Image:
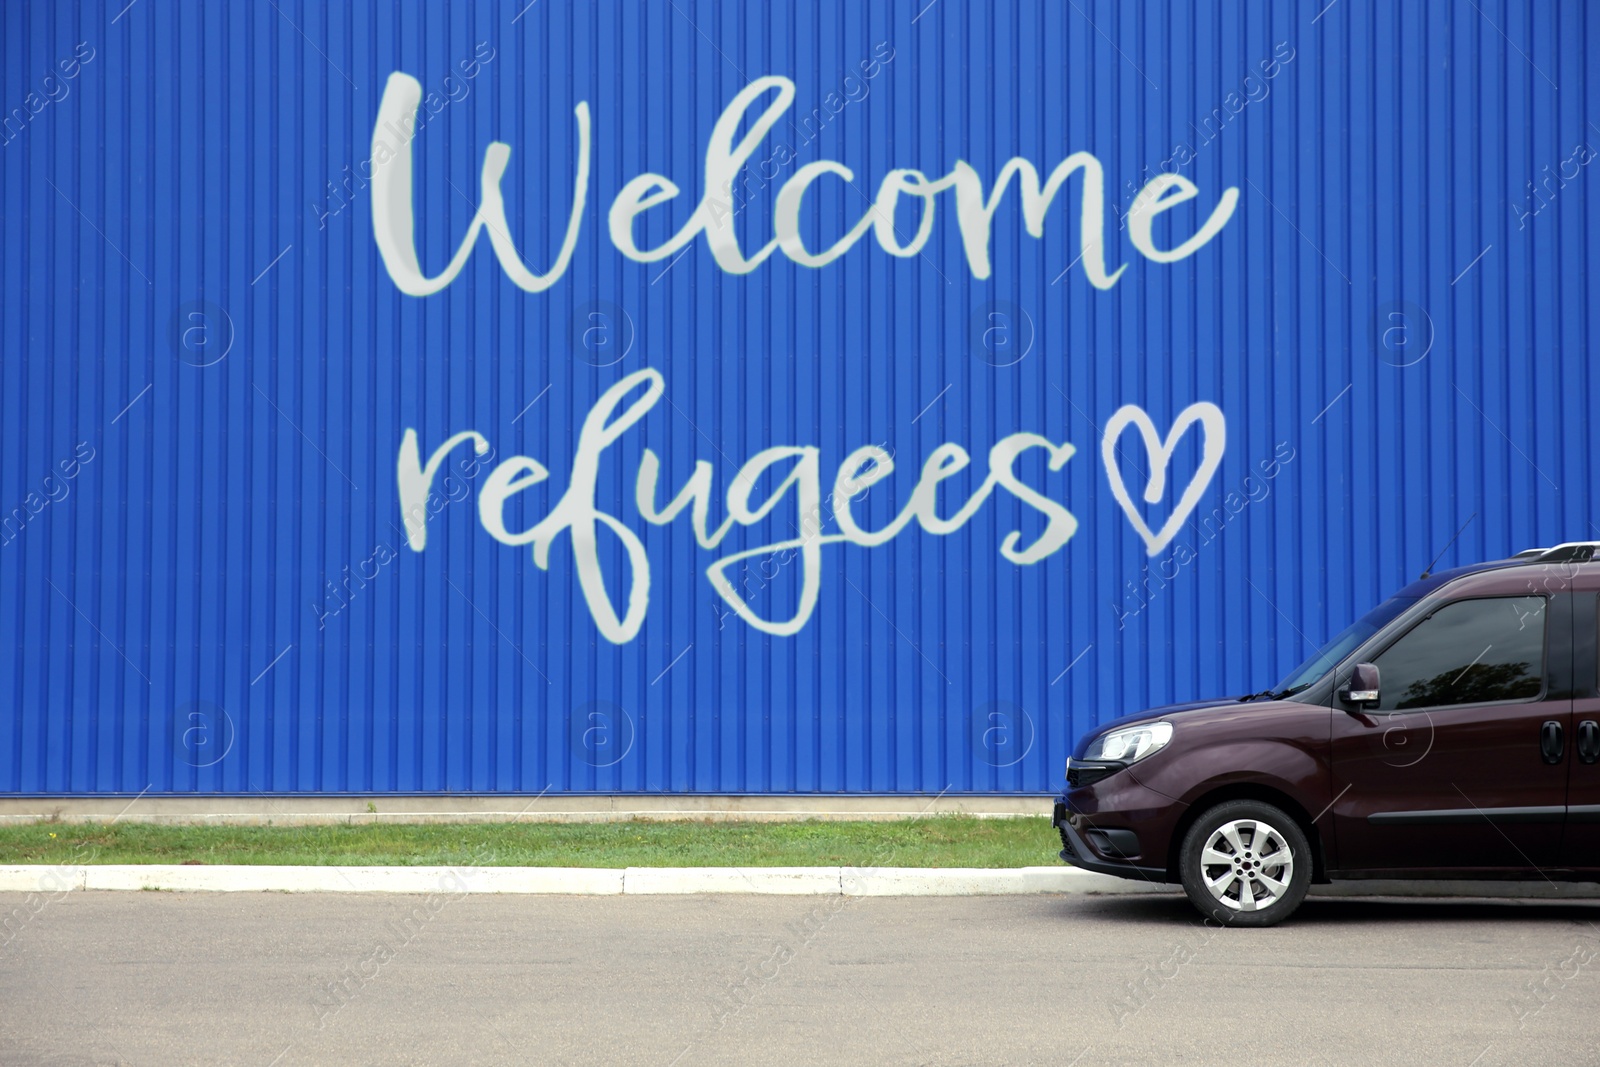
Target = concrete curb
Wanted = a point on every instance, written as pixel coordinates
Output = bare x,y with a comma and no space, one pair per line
807,881
574,880
655,881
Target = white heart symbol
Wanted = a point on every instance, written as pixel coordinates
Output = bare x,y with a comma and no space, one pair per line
1215,427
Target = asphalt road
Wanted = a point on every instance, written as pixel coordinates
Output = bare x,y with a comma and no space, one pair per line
278,980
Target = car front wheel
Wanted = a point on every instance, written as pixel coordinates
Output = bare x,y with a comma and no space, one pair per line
1245,863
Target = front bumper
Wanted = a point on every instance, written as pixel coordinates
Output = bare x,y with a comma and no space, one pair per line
1096,836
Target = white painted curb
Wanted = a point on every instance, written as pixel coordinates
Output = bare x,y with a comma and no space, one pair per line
253,878
810,881
42,879
651,881
265,879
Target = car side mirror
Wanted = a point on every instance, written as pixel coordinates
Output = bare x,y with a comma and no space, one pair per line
1363,685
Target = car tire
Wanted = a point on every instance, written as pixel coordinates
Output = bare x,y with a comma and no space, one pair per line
1245,863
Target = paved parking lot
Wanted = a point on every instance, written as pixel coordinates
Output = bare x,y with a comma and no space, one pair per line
277,980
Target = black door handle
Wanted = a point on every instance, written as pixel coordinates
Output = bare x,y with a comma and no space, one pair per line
1588,741
1551,745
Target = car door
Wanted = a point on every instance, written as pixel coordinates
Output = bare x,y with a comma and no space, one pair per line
1448,768
1581,841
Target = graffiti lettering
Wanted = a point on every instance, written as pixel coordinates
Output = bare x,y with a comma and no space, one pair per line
727,155
579,516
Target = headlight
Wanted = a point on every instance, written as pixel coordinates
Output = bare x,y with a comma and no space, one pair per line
1131,743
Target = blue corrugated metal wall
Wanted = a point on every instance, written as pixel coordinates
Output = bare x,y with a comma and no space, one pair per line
206,372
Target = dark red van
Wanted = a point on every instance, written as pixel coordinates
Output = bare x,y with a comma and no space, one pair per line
1453,732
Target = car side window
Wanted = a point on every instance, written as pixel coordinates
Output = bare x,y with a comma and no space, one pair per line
1468,652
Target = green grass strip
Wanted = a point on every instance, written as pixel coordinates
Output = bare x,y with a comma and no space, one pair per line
934,841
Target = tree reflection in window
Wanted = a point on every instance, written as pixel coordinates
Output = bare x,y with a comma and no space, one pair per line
1475,685
1469,652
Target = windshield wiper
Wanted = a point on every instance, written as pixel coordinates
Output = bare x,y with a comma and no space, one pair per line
1270,694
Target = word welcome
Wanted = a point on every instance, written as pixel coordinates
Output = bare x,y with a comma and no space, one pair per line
727,155
799,485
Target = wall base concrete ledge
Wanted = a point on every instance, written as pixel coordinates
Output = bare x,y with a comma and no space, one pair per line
263,810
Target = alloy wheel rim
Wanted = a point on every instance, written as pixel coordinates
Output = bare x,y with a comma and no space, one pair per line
1247,865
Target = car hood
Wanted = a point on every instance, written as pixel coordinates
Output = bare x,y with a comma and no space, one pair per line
1230,704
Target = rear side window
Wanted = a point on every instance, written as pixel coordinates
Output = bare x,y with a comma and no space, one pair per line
1469,652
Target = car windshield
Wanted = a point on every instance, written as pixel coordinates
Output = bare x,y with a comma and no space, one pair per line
1341,646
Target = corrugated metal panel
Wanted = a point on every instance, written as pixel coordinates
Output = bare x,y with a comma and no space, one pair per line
207,372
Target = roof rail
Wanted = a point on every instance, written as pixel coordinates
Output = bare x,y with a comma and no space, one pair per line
1570,552
1529,553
